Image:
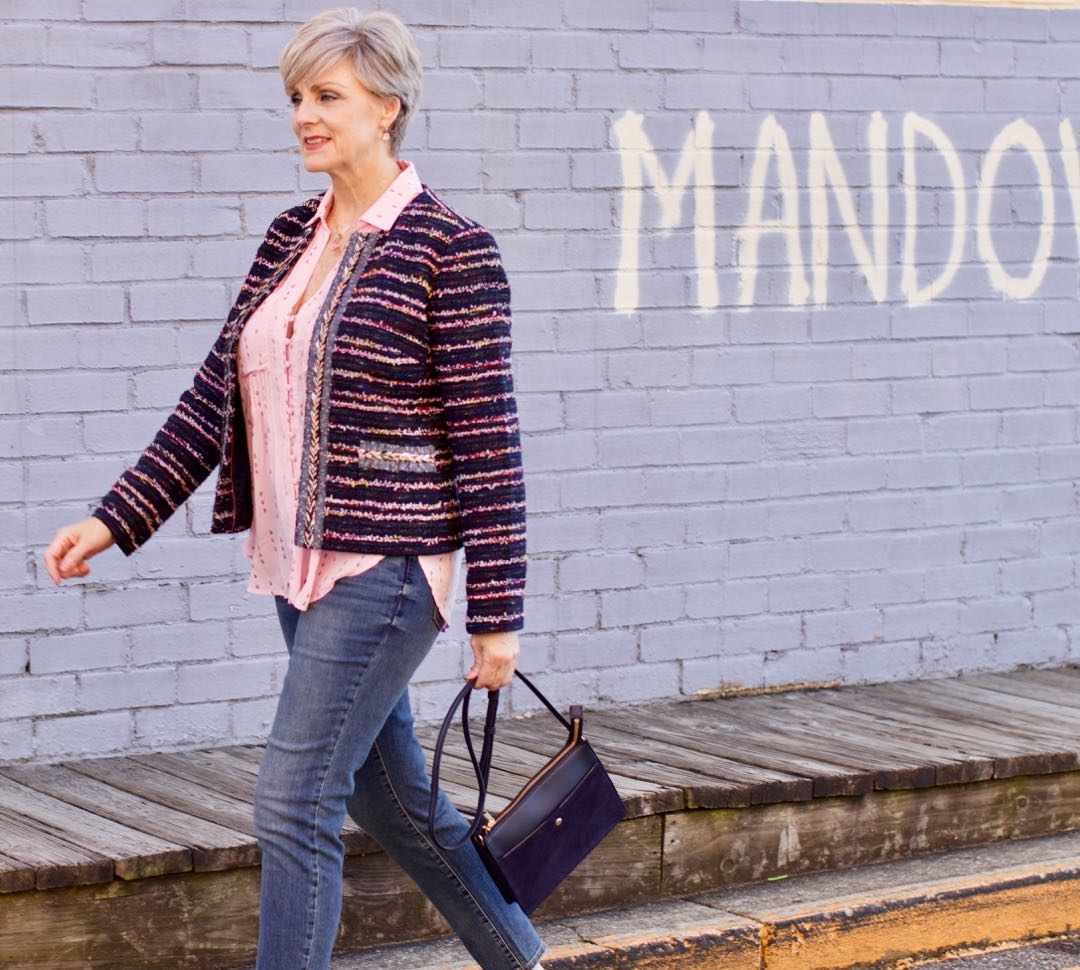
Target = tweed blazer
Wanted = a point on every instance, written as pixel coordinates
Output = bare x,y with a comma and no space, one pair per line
411,441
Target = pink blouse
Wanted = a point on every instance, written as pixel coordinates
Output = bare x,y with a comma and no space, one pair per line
273,376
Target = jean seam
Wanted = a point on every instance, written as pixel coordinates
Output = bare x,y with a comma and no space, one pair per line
493,929
310,934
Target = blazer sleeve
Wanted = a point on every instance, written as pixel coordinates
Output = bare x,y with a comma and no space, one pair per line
187,448
182,454
469,327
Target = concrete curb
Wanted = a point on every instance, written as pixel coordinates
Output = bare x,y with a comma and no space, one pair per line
880,916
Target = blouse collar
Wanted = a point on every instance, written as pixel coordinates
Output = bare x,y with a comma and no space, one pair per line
383,212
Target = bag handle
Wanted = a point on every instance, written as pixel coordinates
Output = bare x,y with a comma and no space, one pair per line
481,766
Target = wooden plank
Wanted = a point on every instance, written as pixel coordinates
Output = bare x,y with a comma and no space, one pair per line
171,779
706,850
839,742
1049,719
544,743
543,735
356,840
975,720
1013,749
131,926
200,921
1039,721
15,876
1065,680
715,792
915,763
1067,675
639,797
225,775
455,751
1047,709
251,753
209,773
1048,754
502,763
746,746
768,716
950,764
462,795
458,781
546,737
953,709
213,846
135,854
763,784
1061,696
230,755
459,786
983,761
229,778
167,789
1043,755
719,719
54,860
195,921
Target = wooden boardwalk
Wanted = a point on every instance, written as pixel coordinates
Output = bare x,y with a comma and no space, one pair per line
719,792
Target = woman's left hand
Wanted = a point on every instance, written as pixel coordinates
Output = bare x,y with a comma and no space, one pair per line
495,659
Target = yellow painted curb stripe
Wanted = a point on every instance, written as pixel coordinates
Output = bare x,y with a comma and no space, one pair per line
1004,906
919,920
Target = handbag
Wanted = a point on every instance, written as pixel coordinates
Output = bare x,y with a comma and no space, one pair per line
559,816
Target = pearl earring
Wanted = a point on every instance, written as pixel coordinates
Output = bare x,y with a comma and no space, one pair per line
385,135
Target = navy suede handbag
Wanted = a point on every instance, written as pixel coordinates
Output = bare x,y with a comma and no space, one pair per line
554,822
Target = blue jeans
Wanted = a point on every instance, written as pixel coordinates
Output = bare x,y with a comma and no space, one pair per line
343,741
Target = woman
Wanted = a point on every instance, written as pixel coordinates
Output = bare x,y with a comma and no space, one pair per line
360,404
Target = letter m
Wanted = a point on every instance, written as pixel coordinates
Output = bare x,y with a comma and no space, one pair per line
639,162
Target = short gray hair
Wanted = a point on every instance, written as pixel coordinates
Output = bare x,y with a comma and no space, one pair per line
384,55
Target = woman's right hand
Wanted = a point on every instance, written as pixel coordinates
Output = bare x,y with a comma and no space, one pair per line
73,545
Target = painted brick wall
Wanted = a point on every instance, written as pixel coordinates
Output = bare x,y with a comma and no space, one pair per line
763,448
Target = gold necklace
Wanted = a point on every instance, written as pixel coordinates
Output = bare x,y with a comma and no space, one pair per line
336,238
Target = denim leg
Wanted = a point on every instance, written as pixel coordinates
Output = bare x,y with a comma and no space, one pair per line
390,802
351,654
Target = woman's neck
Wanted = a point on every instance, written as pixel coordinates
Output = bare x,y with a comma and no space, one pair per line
355,192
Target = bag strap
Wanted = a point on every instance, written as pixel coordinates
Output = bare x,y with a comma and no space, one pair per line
481,766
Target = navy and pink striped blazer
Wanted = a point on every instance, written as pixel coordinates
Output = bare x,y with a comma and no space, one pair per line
411,439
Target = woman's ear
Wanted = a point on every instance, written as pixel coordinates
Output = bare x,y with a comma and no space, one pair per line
391,111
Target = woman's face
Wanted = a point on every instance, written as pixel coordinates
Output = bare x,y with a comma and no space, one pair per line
339,122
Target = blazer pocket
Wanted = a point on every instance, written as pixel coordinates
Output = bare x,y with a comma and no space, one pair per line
394,456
